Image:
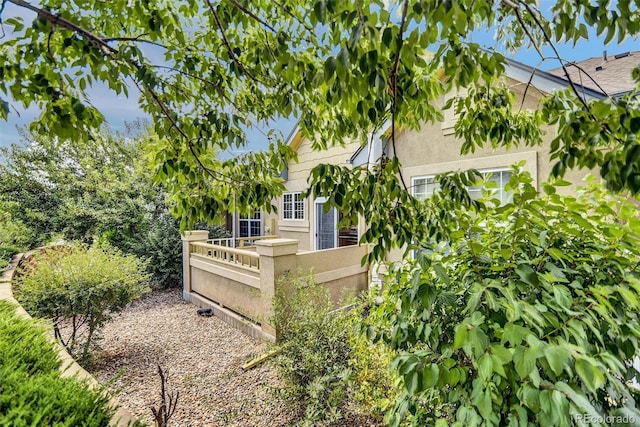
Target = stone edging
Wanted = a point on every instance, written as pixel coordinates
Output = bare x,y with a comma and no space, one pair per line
69,366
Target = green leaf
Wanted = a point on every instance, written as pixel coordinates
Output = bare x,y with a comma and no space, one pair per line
329,70
461,336
523,361
527,274
484,404
501,353
441,272
562,296
578,398
557,357
557,273
320,10
412,382
485,367
590,374
430,375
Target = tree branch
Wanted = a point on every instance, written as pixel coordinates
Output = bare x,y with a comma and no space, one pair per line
536,19
232,55
359,9
252,15
291,14
112,53
394,84
137,39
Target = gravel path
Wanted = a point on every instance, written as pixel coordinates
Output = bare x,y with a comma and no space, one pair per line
203,357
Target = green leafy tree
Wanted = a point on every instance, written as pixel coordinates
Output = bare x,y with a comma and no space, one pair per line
209,71
79,191
528,315
98,190
344,69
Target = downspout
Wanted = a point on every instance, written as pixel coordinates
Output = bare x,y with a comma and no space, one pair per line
234,215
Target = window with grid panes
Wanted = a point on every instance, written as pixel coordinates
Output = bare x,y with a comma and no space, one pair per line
292,206
424,187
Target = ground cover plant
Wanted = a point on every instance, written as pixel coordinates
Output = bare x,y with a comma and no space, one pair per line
32,391
528,315
79,288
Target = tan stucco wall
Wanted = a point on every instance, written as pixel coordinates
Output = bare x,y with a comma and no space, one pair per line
250,292
433,150
302,230
338,269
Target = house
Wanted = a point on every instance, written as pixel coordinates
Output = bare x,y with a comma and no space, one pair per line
238,277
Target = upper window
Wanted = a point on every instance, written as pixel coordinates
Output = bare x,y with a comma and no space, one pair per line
424,187
292,206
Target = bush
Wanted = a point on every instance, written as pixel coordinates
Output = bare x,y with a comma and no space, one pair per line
314,352
329,366
79,288
32,392
163,247
372,387
528,316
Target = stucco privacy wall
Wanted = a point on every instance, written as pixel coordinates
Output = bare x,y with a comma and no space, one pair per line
338,269
69,366
243,297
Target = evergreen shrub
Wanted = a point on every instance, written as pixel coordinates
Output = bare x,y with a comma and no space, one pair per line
32,391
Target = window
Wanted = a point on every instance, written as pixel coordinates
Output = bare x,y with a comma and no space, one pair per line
424,187
251,226
498,176
292,206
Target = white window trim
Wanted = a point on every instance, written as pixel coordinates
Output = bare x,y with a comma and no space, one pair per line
484,172
478,163
293,202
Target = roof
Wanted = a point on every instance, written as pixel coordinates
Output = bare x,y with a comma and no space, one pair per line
543,80
612,74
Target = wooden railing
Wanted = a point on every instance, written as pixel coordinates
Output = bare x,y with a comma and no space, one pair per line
238,257
241,242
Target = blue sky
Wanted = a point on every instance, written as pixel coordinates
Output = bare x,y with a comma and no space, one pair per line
119,110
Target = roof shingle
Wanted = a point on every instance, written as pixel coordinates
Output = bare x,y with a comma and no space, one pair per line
612,75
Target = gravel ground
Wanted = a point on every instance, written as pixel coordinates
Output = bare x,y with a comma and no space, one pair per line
203,357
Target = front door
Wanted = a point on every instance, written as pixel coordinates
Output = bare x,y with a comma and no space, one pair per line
325,226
